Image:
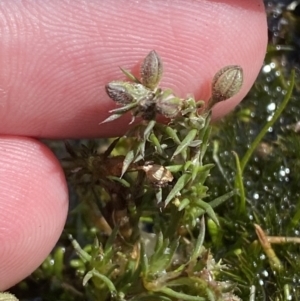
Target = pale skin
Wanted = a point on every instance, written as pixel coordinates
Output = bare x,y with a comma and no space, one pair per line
56,56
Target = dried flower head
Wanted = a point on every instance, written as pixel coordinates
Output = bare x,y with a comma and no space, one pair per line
158,175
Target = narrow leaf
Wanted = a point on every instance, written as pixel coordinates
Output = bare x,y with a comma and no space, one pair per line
84,256
183,203
141,148
172,134
182,181
185,142
180,296
205,142
130,76
187,165
159,242
108,282
144,261
199,241
154,140
208,209
220,200
149,129
171,252
240,184
174,168
195,143
108,249
270,123
127,161
215,233
201,172
124,109
121,181
111,118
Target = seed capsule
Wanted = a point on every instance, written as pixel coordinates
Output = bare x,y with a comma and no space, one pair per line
226,83
151,70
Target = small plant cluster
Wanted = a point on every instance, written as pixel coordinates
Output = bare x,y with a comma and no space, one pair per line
152,205
150,249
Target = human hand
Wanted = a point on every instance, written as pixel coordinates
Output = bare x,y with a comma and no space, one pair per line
56,56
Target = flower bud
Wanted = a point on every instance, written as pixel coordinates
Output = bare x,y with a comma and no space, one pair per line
151,70
169,107
226,83
125,92
118,91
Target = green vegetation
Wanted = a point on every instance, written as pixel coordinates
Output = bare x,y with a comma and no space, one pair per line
186,211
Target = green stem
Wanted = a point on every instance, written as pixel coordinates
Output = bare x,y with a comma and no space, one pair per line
239,184
270,123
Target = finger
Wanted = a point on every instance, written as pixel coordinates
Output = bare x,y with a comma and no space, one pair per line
33,207
56,56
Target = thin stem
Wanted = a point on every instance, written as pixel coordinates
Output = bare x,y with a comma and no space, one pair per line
283,240
270,123
239,183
